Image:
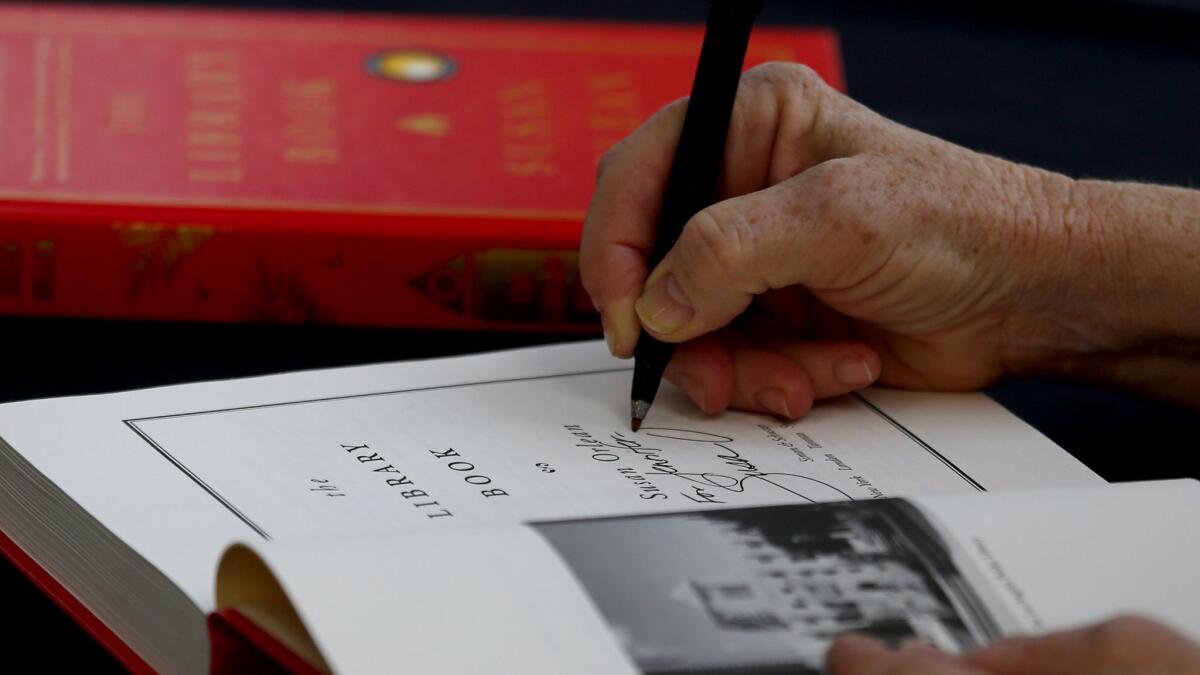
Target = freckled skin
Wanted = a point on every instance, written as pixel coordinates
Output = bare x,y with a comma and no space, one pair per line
849,250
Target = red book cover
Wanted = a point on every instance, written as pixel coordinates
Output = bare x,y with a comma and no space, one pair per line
237,644
336,168
350,169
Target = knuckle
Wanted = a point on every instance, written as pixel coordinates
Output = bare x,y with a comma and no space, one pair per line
613,157
781,74
830,185
676,107
798,87
718,239
845,217
608,160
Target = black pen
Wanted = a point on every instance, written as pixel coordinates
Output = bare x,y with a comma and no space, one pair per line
692,184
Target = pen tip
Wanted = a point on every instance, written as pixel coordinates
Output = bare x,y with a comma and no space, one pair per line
638,410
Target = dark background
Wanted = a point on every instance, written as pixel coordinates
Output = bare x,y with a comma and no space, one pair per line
1092,89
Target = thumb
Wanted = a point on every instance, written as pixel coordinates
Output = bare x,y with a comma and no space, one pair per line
728,253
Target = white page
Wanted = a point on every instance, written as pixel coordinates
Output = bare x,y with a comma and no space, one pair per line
458,601
744,588
179,472
1053,560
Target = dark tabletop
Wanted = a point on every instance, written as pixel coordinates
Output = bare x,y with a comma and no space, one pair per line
1095,89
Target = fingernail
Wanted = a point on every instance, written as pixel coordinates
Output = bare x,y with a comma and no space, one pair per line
663,307
620,327
608,335
853,372
774,400
695,391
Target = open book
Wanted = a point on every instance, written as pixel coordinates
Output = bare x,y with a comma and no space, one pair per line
746,590
386,498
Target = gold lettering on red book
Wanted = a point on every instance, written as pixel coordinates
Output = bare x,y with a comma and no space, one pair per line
62,110
526,134
214,123
41,106
310,112
614,109
429,124
127,113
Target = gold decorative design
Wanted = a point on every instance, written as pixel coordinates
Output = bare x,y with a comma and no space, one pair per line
510,286
282,296
159,249
429,124
413,66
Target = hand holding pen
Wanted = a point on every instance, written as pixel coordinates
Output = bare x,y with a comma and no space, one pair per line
847,250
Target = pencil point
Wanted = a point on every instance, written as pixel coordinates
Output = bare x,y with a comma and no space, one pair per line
638,410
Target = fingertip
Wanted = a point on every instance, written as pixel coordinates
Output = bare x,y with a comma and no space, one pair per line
775,400
1002,655
856,369
834,367
853,653
621,328
663,308
691,385
608,335
704,370
787,401
696,390
768,382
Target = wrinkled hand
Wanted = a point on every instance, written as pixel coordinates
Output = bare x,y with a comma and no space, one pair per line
1122,646
850,250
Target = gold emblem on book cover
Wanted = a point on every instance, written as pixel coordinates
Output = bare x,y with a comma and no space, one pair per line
411,65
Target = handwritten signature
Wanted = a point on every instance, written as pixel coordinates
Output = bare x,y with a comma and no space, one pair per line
707,486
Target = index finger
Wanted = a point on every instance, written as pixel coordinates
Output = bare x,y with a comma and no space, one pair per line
618,233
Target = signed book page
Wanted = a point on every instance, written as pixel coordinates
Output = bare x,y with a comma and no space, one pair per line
172,476
529,434
552,445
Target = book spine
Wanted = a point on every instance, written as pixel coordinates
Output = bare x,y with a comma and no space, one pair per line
209,267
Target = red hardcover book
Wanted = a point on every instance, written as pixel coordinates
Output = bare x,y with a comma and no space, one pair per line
81,615
238,645
349,169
